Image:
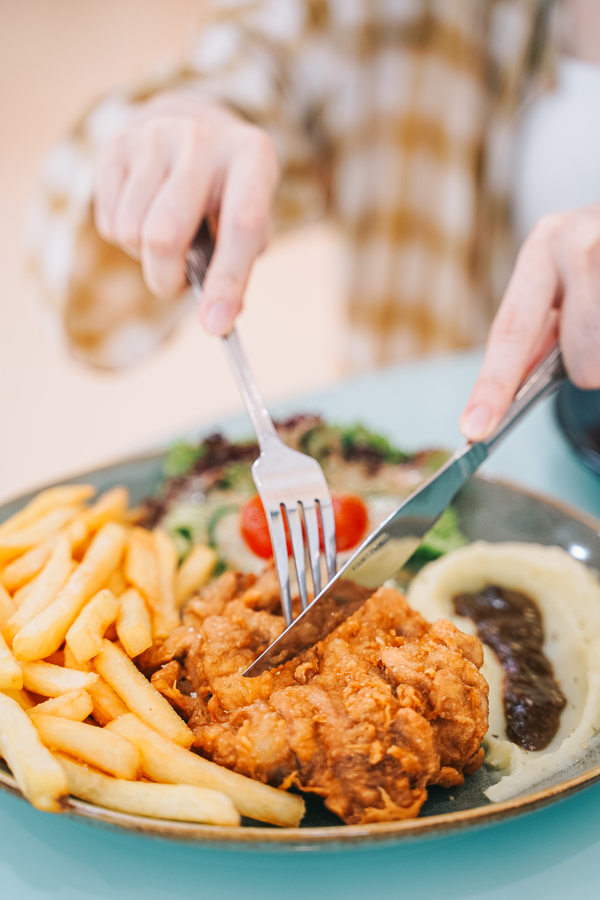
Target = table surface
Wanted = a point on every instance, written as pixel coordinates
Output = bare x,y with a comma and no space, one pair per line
551,853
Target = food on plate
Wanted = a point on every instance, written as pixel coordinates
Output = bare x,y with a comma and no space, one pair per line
134,628
84,637
47,631
511,624
194,572
36,771
209,498
121,662
95,746
137,693
11,676
49,680
72,617
567,596
383,707
162,760
42,590
76,705
163,801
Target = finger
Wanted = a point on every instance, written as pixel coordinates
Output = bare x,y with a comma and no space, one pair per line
523,317
111,171
580,322
171,222
142,183
244,229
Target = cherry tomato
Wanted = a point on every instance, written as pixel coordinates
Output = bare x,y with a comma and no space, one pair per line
350,514
255,529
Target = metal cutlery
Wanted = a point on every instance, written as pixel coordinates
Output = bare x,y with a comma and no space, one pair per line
391,545
290,484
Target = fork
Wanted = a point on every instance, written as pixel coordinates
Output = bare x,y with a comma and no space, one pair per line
290,484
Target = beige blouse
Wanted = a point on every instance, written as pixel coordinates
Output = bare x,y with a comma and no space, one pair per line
396,117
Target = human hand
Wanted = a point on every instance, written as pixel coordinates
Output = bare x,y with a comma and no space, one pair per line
178,160
554,292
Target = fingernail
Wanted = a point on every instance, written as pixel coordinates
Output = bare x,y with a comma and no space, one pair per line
217,318
475,423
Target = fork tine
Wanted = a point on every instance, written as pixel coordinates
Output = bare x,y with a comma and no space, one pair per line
314,551
295,526
279,543
328,523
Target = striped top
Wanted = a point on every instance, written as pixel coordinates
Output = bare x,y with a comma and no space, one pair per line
395,117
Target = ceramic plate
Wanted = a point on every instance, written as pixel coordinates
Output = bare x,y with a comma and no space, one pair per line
488,509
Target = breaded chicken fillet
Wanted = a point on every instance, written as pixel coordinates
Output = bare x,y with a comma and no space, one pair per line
384,706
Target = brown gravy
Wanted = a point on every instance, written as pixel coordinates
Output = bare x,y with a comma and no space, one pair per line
511,624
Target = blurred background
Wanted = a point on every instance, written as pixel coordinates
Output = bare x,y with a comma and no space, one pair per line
56,415
57,58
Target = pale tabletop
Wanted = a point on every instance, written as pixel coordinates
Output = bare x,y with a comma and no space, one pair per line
552,853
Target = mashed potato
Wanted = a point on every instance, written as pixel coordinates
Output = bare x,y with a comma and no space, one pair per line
568,596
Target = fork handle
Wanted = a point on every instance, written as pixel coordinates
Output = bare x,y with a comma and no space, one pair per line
255,405
197,262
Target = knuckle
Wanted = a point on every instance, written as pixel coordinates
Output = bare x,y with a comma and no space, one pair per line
585,248
225,286
508,327
127,232
162,238
547,228
490,390
250,221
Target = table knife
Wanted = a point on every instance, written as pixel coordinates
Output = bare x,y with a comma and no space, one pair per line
390,546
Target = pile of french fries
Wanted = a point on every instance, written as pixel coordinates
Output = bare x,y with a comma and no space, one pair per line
83,591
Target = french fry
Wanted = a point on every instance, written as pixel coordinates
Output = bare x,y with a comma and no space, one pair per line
26,567
7,606
20,596
24,699
194,572
163,761
43,590
39,775
139,695
116,583
93,745
11,677
161,801
109,507
166,615
141,569
17,542
46,501
133,623
107,705
135,515
46,632
69,662
53,681
76,705
84,637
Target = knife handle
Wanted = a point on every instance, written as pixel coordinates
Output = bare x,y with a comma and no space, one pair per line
542,381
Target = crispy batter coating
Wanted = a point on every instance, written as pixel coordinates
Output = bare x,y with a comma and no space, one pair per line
384,706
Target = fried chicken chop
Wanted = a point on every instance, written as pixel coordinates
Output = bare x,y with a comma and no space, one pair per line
384,706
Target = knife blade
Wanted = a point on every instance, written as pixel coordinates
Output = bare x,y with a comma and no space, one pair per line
392,544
